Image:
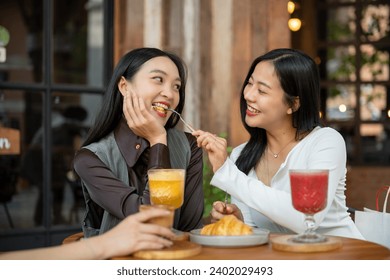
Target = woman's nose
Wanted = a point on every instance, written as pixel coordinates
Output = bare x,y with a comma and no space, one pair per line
249,94
168,92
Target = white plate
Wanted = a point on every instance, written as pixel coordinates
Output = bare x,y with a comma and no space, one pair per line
259,237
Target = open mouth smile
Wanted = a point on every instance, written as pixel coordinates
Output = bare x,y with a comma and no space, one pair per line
160,108
252,110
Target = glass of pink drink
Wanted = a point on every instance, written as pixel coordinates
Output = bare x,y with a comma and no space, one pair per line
309,192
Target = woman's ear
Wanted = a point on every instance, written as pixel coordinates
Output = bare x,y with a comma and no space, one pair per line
123,86
297,103
295,106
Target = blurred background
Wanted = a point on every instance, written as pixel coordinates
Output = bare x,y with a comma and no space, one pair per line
56,58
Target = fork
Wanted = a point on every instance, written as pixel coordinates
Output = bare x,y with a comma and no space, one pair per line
181,118
225,202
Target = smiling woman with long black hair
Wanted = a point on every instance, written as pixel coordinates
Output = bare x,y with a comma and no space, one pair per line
133,133
280,110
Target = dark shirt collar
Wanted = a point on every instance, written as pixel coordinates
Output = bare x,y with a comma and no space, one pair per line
130,145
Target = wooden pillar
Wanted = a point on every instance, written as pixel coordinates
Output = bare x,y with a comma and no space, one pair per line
221,54
173,23
258,26
278,32
128,27
241,55
191,55
205,64
153,21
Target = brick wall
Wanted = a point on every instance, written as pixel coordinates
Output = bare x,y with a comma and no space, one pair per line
362,185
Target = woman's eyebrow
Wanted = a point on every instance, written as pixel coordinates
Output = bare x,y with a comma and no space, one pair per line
158,71
261,83
264,84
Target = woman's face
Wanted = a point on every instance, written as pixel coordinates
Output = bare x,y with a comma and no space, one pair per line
158,82
266,106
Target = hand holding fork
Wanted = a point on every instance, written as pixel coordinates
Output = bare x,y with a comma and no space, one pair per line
225,202
192,130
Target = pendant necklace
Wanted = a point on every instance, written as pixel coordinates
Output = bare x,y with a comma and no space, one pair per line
269,182
276,155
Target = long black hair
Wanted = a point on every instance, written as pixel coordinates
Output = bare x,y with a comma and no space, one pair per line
112,108
299,77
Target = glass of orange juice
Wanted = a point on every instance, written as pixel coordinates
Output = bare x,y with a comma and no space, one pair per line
166,186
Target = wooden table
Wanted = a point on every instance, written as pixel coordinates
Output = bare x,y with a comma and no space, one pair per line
351,249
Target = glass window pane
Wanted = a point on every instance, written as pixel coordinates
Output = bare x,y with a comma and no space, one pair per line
341,103
24,51
340,1
22,185
373,102
70,123
341,25
348,133
375,64
375,143
78,42
375,22
341,64
91,102
68,131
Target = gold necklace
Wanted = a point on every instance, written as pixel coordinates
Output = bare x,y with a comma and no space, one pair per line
276,155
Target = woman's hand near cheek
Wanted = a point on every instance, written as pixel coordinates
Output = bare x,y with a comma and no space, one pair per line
215,146
141,121
219,211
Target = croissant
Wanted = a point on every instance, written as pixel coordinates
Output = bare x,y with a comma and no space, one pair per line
228,225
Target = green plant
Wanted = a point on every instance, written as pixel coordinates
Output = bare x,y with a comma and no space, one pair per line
211,193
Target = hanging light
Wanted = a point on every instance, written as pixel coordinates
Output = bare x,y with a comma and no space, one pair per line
294,24
290,7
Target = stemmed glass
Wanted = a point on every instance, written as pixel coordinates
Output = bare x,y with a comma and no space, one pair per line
309,192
